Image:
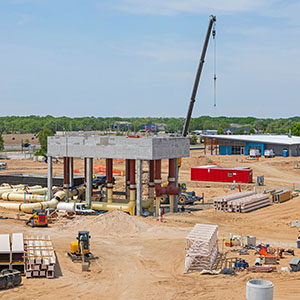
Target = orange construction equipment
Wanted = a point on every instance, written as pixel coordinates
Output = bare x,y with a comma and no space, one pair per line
263,251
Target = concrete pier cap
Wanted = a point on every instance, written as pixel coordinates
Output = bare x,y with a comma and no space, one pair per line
118,147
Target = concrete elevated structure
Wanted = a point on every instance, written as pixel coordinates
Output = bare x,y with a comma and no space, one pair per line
132,150
116,147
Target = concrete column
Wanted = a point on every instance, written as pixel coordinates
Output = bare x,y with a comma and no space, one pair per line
139,172
50,177
71,171
89,180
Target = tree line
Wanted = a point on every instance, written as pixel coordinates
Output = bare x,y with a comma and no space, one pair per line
34,124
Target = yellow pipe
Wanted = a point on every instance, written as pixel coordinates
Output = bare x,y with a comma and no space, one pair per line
28,207
157,206
21,197
126,207
171,200
32,191
109,195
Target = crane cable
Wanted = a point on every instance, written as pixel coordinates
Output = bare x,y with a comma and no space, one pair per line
215,64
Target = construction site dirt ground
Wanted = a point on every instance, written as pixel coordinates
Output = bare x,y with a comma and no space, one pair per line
140,258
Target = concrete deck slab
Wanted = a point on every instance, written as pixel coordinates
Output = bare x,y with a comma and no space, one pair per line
145,148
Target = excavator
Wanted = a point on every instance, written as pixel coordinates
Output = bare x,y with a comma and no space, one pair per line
80,250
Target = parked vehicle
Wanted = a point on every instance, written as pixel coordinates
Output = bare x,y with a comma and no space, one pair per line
254,153
269,153
78,208
100,180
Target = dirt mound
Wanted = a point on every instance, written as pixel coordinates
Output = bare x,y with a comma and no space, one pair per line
113,223
201,160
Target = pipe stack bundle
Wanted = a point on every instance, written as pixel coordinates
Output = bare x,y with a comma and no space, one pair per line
241,202
202,248
40,257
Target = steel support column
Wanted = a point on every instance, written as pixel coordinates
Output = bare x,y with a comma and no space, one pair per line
71,171
89,180
176,184
109,180
50,177
139,187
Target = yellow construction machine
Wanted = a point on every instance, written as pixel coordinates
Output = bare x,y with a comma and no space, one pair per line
39,218
80,250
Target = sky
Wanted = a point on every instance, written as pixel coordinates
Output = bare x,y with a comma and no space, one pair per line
138,58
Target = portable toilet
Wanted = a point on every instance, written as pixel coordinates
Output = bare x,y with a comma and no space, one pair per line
295,264
285,153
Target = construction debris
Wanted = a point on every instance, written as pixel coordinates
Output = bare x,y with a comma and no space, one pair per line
10,278
40,259
202,248
241,202
262,269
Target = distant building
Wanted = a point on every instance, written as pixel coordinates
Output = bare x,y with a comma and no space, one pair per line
121,125
232,130
154,127
282,145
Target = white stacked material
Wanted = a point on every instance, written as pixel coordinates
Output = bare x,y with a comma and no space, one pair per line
202,247
40,257
220,202
241,202
4,251
17,252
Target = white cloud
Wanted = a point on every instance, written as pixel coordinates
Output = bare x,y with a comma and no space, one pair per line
174,7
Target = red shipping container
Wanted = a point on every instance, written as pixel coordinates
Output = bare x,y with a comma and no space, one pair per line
214,173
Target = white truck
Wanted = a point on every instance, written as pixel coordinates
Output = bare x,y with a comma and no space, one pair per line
254,153
269,153
77,208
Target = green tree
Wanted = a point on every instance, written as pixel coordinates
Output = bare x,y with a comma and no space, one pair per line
295,129
240,131
251,131
1,142
43,140
220,130
193,140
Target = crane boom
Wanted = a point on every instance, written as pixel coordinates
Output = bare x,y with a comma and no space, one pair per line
212,19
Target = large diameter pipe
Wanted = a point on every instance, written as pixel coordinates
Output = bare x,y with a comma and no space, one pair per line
28,207
126,207
22,197
14,196
171,189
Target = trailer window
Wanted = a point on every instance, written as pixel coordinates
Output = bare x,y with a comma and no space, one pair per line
229,174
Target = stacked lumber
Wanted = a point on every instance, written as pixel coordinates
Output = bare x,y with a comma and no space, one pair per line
241,202
202,248
40,257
